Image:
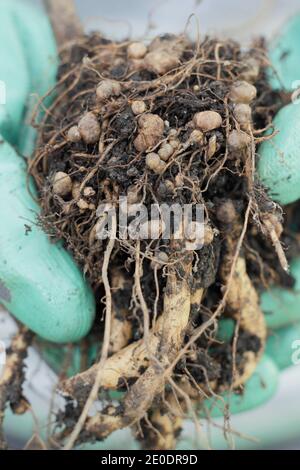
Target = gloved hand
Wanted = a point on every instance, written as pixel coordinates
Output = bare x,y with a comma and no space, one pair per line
39,282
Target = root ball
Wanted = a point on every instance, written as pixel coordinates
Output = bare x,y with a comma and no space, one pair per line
165,151
243,114
170,127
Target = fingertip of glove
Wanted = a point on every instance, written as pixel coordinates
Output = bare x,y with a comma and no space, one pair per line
257,390
284,56
279,164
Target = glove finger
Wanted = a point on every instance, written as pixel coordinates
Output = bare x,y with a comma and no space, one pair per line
279,163
57,356
283,346
39,282
258,390
14,76
281,306
284,56
40,50
28,65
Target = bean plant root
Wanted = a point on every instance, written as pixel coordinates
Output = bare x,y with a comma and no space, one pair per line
170,122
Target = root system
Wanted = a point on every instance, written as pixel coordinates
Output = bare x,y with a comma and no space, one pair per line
171,122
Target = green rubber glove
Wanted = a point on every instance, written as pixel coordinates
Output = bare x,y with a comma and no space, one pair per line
279,165
39,282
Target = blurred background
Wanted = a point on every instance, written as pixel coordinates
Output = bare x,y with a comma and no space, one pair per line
276,424
118,19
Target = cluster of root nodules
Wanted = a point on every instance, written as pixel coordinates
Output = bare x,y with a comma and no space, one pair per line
171,122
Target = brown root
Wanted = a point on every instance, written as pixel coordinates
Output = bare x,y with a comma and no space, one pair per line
274,229
175,317
11,381
161,426
122,366
121,327
126,364
243,303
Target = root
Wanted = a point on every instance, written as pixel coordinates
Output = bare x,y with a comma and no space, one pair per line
11,381
161,428
121,327
122,366
126,364
241,299
106,338
175,317
243,302
271,229
170,123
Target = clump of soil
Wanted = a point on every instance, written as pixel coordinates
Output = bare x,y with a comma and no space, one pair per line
170,122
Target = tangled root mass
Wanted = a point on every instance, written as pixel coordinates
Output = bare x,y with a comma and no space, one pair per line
171,122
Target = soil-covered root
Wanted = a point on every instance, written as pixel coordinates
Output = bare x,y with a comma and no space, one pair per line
12,378
162,425
119,368
243,305
151,383
121,326
126,365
